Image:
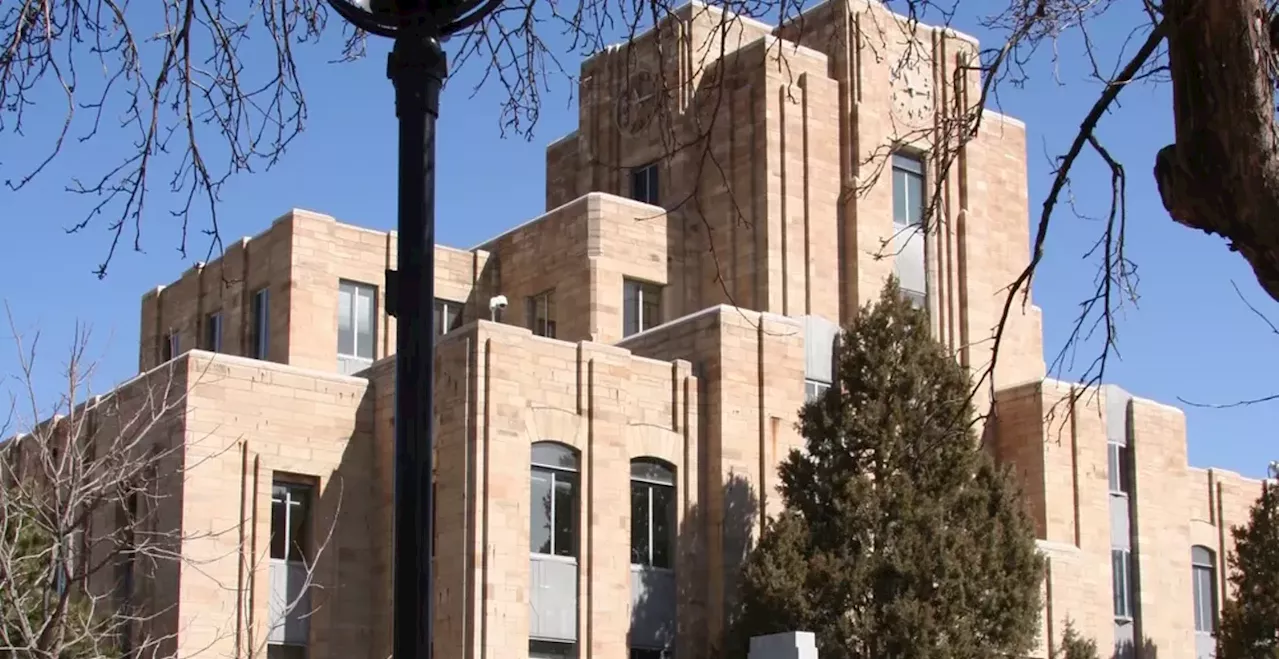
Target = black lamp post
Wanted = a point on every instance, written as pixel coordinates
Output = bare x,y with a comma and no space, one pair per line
417,68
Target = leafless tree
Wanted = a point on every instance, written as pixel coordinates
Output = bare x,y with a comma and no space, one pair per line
91,538
199,113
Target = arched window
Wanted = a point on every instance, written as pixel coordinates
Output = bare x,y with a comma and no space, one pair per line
1204,584
653,513
553,500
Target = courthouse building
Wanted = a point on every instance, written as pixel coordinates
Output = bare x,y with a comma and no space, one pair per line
607,443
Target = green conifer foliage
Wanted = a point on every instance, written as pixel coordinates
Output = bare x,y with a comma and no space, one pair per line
1250,618
900,537
1075,646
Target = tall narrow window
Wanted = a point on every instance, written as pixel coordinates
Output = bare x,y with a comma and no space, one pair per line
127,527
909,228
290,521
1118,476
260,319
1204,585
1122,583
641,306
644,183
553,500
169,347
540,309
356,304
448,316
289,603
213,332
653,513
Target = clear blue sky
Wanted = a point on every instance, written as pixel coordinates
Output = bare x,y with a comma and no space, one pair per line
1189,336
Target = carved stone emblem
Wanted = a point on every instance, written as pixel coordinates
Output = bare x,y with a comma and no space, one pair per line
638,103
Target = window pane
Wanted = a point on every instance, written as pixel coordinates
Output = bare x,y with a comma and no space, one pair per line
638,184
813,390
279,531
550,311
1113,467
551,650
915,199
639,523
652,471
261,325
364,322
651,307
899,197
1120,582
346,327
551,454
437,319
1205,595
630,308
299,528
566,486
909,259
664,521
540,512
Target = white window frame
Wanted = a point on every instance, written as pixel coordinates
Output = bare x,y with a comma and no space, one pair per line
634,294
450,313
813,389
358,289
1119,462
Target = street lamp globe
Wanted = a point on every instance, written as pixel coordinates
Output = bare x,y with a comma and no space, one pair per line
385,17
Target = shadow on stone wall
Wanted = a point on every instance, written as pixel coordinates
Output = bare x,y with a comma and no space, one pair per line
1129,650
690,632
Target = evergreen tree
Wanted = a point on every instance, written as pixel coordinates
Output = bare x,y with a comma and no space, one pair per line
1075,646
900,538
1248,629
44,613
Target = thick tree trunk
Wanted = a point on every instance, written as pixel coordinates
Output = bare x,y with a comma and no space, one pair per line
1220,176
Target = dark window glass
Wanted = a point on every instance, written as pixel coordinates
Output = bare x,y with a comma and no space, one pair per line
290,521
260,325
653,514
1122,583
644,184
541,312
213,332
553,500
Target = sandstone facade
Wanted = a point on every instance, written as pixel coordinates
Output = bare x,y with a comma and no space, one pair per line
668,314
